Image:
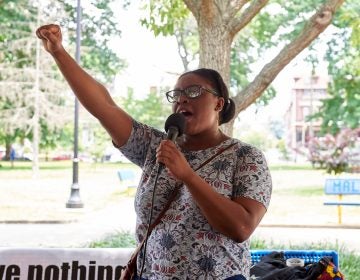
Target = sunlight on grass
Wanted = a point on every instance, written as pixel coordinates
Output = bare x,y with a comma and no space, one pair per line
45,197
291,167
301,191
118,240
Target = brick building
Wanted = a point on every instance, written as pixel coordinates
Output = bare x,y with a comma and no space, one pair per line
306,96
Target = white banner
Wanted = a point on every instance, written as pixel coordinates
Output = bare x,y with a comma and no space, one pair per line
62,263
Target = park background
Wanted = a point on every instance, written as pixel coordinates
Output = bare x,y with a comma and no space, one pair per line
138,67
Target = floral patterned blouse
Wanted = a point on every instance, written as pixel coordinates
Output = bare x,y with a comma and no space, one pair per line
184,245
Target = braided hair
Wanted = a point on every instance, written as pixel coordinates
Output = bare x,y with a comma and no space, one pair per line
218,84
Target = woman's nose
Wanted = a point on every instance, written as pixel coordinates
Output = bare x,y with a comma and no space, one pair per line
183,98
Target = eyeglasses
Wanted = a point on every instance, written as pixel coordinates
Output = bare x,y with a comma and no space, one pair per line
190,92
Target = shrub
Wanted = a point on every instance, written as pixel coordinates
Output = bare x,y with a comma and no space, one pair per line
335,153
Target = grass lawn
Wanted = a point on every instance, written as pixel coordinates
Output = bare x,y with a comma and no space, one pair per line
294,188
44,197
298,196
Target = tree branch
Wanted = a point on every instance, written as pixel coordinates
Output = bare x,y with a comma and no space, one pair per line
205,8
316,25
228,9
182,50
193,6
240,22
235,6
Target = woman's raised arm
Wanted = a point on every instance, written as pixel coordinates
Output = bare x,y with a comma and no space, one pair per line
92,94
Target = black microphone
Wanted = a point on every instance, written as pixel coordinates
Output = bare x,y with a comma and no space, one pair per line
175,126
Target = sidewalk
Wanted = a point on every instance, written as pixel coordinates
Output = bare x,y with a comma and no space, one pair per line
121,217
91,227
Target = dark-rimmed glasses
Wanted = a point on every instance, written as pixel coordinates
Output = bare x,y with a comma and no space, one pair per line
190,92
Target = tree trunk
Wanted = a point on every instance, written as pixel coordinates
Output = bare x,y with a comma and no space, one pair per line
7,147
214,36
228,128
36,118
215,46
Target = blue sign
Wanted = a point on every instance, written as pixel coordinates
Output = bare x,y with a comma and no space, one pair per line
342,186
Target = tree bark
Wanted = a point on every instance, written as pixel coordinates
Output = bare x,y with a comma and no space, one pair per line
214,37
36,117
215,46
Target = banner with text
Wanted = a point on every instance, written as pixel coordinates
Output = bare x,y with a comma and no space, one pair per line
62,263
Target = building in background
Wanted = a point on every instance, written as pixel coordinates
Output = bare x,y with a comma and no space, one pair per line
307,93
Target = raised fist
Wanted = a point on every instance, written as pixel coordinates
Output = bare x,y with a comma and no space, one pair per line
51,37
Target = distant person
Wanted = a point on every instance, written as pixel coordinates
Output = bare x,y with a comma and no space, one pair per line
12,156
205,232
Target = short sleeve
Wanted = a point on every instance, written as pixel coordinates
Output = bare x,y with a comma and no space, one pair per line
139,144
252,177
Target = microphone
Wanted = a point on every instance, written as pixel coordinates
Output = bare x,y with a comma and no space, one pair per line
175,126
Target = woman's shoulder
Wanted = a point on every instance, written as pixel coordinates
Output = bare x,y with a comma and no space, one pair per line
243,148
141,129
142,135
239,144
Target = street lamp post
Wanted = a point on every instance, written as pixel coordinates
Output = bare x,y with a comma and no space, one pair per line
75,200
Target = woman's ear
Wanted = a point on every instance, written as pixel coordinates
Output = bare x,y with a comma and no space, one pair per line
220,104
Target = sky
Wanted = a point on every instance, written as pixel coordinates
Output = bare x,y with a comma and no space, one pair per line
149,58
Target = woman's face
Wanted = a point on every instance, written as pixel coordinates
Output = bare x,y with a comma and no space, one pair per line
201,113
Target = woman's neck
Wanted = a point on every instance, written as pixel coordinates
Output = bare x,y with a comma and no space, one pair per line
202,141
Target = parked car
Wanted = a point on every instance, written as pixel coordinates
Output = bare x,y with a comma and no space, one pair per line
2,152
114,155
18,157
62,156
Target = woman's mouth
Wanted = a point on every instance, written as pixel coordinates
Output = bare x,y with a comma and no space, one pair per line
186,113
